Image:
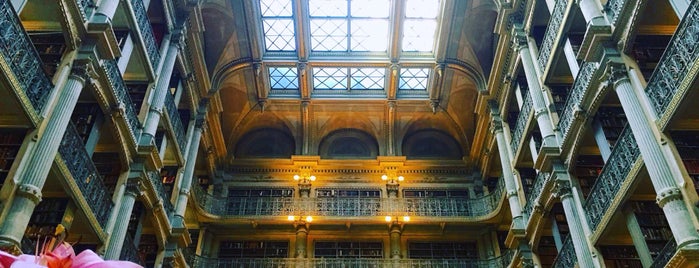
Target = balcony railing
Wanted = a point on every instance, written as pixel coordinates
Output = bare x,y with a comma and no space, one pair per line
19,54
522,120
122,96
155,178
129,252
575,97
541,179
146,31
613,9
174,115
85,174
611,178
552,30
665,254
675,64
497,262
566,257
85,8
350,207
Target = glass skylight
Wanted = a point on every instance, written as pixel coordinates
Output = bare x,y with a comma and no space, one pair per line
413,79
349,25
420,25
283,78
278,25
349,78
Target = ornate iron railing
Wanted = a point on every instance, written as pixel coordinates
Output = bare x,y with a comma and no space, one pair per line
121,94
201,262
541,179
85,7
552,30
680,55
129,252
575,97
146,31
665,254
85,174
521,123
155,178
613,174
175,121
613,8
350,207
566,257
20,55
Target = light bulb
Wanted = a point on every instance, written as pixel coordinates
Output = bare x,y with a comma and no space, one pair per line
401,178
291,217
297,177
406,218
309,219
384,177
313,178
388,218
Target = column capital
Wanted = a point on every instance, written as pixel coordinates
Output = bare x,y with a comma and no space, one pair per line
133,187
177,37
563,189
519,38
495,124
32,192
82,70
668,195
616,72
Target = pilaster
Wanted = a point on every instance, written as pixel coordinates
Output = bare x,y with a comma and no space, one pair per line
116,240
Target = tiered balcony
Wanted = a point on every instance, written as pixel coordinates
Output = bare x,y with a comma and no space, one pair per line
122,97
577,95
176,126
146,33
522,123
85,176
551,37
17,52
468,209
566,257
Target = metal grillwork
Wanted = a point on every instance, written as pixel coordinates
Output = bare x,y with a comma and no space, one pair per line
413,79
497,262
85,7
174,115
614,8
85,174
350,206
577,92
283,78
665,254
278,25
129,252
121,94
566,257
675,63
18,52
330,78
420,25
146,31
155,178
541,179
624,155
551,32
522,120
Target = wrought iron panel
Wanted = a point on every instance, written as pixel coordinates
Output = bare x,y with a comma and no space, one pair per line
576,94
122,95
552,30
541,179
176,122
146,31
566,257
157,181
522,119
665,254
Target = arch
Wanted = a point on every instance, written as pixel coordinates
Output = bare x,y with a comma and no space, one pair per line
265,143
348,143
431,144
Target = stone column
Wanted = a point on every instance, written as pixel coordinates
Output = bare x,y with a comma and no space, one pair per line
680,7
394,235
639,240
390,128
150,126
301,239
669,196
506,163
116,240
541,112
186,182
306,127
580,244
105,12
28,193
592,12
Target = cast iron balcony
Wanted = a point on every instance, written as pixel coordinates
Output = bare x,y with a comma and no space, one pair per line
122,96
173,116
522,120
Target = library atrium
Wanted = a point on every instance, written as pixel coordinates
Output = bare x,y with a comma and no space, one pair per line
352,133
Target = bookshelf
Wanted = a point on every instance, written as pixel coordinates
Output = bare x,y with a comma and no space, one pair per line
46,216
148,249
253,249
435,193
340,192
561,221
654,226
559,93
84,117
10,142
613,121
348,249
587,169
687,144
51,46
547,251
620,256
137,91
109,167
442,250
168,175
527,176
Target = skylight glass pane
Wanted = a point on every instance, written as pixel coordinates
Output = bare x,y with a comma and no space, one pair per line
418,34
369,35
327,8
279,34
329,35
276,8
329,78
370,8
413,78
368,78
283,78
428,9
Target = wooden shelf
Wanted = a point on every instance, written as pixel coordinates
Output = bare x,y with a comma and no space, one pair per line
442,250
253,249
348,249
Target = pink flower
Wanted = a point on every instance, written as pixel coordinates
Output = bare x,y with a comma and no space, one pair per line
62,256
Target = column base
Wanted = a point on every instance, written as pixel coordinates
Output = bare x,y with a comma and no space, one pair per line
10,246
686,256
